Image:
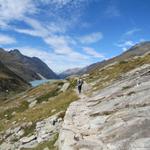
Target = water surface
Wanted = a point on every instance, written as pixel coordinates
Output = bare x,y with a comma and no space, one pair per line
39,82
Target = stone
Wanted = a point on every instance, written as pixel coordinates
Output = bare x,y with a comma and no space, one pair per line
16,130
5,146
59,119
14,122
24,118
29,124
65,87
46,148
8,132
14,113
30,100
20,133
53,110
33,103
25,140
6,115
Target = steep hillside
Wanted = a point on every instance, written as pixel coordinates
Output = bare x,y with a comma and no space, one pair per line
9,81
26,67
34,117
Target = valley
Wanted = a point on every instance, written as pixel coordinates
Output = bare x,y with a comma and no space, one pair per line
111,111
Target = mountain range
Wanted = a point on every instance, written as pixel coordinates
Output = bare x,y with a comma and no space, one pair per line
137,50
17,70
111,112
69,72
28,68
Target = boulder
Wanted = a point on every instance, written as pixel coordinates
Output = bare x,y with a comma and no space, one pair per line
65,87
46,148
33,103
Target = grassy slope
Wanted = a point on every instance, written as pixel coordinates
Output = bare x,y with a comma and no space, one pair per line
49,98
59,103
106,76
47,92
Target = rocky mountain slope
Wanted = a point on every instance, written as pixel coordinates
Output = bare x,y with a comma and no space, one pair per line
26,67
115,116
9,81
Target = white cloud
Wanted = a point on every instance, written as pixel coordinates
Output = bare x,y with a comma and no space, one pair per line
125,45
93,53
62,3
131,32
53,33
91,38
60,44
4,39
15,10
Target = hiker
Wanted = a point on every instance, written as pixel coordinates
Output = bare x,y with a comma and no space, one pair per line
79,84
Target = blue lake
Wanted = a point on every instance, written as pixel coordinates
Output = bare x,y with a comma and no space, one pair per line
39,82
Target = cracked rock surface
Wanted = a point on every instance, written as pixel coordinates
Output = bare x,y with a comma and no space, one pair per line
115,118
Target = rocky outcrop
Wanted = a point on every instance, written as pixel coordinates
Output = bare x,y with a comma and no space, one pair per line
115,118
65,87
15,138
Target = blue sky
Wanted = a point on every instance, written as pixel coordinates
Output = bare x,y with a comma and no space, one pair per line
73,33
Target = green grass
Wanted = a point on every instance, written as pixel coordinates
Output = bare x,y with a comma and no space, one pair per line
48,92
45,97
1,127
43,110
123,62
1,141
8,112
29,130
73,83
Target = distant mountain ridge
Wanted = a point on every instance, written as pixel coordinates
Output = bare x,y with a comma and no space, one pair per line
137,50
69,72
28,68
